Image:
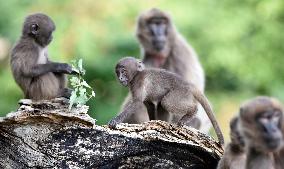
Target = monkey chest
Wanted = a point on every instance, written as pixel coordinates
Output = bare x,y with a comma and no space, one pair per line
42,56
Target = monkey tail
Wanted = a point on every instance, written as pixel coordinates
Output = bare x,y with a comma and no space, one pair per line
206,106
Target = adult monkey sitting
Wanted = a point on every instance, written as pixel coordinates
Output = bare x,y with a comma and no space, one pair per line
163,47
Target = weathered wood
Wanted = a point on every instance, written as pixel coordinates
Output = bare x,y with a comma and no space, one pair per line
47,135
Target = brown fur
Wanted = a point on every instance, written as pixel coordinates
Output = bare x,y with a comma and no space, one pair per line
38,77
255,116
176,95
234,156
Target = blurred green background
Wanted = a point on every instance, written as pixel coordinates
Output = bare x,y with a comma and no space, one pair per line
240,45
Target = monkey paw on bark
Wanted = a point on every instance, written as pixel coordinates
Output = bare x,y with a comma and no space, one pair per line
112,123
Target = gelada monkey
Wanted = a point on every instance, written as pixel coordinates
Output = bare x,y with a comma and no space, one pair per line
38,77
261,122
175,94
162,46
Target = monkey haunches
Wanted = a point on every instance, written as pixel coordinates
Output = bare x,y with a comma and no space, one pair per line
175,95
38,77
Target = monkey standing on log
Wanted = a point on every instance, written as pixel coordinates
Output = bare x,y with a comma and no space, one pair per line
176,95
37,76
162,46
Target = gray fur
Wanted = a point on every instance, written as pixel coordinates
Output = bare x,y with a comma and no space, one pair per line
234,155
176,95
177,56
260,124
37,76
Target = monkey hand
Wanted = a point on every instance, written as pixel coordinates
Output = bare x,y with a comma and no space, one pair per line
180,123
64,68
112,123
74,72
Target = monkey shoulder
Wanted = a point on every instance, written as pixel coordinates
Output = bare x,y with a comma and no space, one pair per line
23,56
232,159
162,72
24,48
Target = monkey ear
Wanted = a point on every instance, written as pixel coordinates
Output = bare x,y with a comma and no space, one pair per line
140,66
34,29
242,111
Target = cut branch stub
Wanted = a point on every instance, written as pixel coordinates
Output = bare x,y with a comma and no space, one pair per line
47,135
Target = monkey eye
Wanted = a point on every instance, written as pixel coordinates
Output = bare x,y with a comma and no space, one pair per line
35,27
123,71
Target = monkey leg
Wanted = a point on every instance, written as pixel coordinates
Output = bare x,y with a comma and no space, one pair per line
135,118
180,102
162,114
132,108
43,87
151,109
63,90
62,80
188,117
194,122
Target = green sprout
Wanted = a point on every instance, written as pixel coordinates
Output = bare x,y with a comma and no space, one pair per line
82,91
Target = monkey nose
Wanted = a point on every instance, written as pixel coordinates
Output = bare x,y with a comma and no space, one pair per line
158,45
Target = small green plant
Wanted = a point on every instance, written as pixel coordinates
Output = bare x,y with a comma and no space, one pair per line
82,92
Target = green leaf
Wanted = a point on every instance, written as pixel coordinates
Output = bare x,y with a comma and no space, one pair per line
74,81
72,99
84,83
82,99
75,69
82,91
93,94
80,64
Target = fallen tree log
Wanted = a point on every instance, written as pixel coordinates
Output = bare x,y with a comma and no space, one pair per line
47,135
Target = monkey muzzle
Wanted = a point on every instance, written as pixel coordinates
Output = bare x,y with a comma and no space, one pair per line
272,136
159,44
123,80
124,83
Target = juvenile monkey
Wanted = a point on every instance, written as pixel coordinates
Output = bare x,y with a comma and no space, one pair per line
260,124
175,94
38,77
162,46
234,156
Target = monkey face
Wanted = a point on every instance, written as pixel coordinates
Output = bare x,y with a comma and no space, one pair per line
158,32
122,75
261,123
154,31
269,123
40,27
127,68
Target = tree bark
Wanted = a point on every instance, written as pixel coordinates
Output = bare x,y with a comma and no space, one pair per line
47,135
